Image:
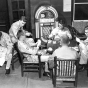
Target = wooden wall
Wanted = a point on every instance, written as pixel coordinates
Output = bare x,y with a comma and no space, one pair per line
4,18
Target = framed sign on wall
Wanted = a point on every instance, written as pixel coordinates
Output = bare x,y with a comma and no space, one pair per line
80,10
66,5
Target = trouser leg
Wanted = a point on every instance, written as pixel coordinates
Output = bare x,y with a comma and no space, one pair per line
46,67
83,59
46,72
8,63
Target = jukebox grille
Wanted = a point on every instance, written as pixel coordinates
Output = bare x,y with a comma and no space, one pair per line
46,31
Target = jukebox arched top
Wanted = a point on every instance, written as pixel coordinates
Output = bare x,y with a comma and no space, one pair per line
46,19
46,8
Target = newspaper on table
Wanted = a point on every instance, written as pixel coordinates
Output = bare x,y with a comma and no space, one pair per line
3,52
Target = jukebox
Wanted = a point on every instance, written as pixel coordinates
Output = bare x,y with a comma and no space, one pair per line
46,19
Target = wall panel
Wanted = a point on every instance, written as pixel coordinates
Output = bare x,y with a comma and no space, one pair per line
4,20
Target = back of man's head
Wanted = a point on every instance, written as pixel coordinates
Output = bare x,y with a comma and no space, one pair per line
64,40
20,33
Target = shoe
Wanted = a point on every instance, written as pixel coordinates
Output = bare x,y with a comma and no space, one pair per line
7,71
46,74
86,67
82,68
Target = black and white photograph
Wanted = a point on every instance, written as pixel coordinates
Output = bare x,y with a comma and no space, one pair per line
43,43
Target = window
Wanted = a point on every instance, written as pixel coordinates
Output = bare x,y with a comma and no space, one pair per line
80,10
18,9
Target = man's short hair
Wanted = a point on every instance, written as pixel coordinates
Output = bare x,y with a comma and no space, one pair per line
20,33
23,18
65,39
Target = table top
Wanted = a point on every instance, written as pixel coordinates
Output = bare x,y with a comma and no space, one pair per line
75,48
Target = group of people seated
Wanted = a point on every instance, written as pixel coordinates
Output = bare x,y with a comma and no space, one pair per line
57,45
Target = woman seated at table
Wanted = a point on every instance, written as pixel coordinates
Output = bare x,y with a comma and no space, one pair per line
59,31
55,36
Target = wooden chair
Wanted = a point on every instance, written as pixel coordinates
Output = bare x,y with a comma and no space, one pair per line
87,69
15,56
65,70
27,66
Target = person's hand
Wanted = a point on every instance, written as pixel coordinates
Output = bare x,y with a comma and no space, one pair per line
49,41
77,39
38,42
28,34
50,36
50,49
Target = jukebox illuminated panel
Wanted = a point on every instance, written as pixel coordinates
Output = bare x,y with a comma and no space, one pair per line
46,22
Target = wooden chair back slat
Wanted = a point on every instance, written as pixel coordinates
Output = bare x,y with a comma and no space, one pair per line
65,70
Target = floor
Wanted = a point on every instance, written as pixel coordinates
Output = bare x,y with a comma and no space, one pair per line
31,80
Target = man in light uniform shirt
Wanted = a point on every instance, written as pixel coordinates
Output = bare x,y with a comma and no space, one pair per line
15,27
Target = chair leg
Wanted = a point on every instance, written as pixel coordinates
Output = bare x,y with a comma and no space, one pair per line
54,83
19,59
87,72
52,76
40,71
22,73
54,80
87,69
12,64
75,84
39,74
